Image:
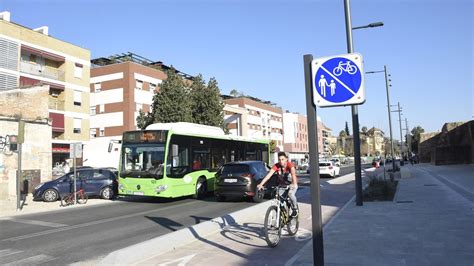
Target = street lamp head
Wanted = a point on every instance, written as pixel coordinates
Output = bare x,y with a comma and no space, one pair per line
376,24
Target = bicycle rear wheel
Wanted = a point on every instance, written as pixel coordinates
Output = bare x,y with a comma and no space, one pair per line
82,198
272,232
293,225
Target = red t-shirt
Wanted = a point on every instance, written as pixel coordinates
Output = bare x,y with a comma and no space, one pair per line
283,178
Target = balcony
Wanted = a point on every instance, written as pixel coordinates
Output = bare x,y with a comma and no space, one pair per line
41,70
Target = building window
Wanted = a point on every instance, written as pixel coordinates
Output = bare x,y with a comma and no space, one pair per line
78,71
139,84
102,132
77,98
101,108
93,133
77,125
93,110
152,86
98,87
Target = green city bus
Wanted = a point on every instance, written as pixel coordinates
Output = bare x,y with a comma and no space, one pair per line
180,159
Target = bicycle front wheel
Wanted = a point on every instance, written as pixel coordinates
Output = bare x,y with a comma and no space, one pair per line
272,232
66,200
82,198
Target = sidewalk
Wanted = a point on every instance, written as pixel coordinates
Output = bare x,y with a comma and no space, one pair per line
8,208
428,223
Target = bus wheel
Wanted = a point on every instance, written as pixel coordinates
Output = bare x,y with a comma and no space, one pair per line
201,188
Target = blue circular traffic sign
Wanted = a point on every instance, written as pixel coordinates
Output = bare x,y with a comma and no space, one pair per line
338,80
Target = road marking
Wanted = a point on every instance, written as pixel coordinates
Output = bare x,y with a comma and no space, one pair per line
38,259
33,222
8,252
67,228
182,261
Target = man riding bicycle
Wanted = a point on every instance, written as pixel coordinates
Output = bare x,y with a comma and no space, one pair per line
286,176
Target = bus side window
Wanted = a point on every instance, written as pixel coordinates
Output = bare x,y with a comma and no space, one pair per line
178,159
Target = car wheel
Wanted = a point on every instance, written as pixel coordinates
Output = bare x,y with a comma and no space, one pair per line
201,188
50,195
259,195
220,198
107,193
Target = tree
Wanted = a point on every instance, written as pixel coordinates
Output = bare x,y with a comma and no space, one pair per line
143,119
364,130
415,137
273,145
234,93
207,107
172,103
343,134
347,129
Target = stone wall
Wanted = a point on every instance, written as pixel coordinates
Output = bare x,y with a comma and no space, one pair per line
453,145
31,105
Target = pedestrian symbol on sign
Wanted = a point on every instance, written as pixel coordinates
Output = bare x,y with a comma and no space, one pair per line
342,75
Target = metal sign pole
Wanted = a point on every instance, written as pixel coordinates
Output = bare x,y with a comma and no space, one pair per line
318,251
355,113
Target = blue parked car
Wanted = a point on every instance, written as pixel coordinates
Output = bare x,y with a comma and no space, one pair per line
95,181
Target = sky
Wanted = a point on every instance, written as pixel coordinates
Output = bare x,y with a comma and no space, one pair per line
257,47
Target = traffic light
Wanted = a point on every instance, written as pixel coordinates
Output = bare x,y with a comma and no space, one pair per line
13,140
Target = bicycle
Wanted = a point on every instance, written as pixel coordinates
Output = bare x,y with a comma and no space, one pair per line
277,217
68,199
344,67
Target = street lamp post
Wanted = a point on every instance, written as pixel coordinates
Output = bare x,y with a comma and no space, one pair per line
354,108
387,85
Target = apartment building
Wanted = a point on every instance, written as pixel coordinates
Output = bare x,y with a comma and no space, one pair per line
120,86
30,57
295,128
263,120
375,142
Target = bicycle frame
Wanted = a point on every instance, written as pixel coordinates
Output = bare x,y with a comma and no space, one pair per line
279,201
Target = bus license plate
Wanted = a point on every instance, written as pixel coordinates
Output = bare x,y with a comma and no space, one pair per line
230,180
140,193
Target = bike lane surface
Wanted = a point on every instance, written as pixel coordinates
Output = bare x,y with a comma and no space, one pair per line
244,242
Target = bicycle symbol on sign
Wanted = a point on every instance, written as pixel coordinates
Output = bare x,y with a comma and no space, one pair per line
344,67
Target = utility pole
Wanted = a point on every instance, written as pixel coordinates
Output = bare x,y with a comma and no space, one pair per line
408,135
401,134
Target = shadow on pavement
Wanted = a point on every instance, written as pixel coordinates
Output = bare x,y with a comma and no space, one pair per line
165,222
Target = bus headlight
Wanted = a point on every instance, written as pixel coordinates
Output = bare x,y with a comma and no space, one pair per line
161,188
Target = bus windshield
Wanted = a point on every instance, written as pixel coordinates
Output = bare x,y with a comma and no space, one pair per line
143,160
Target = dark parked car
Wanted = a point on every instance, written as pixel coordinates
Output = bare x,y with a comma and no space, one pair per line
95,181
240,179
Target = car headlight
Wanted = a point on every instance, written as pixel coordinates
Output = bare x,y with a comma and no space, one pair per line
121,187
161,188
39,185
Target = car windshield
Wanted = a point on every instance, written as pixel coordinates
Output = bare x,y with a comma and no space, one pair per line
143,160
235,168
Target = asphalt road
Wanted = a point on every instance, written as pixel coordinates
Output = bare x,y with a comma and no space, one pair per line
82,234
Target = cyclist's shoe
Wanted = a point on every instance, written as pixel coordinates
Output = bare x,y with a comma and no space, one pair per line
294,212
